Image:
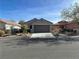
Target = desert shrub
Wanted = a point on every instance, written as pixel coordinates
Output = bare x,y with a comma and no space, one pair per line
67,30
2,32
28,30
8,32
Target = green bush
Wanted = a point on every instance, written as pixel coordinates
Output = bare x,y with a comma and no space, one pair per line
24,28
67,30
2,33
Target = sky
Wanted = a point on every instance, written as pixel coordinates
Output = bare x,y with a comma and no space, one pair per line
28,9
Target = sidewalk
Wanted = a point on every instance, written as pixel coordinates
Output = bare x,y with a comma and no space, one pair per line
10,37
75,38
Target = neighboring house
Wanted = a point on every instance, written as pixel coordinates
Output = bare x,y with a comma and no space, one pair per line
7,25
59,26
39,25
62,24
72,26
66,25
56,28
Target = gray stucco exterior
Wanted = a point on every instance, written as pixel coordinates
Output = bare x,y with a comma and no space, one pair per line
39,25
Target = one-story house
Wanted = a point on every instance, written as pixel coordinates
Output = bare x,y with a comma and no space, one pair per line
39,25
8,25
59,26
73,26
69,26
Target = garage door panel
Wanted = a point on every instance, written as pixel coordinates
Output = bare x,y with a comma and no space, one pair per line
41,28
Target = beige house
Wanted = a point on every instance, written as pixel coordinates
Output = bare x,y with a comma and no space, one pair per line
39,25
7,25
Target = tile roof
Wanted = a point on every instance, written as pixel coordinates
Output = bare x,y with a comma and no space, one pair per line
9,22
35,20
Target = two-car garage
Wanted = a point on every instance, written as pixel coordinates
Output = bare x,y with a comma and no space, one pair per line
41,28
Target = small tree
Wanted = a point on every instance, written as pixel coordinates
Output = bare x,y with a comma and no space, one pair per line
21,22
24,27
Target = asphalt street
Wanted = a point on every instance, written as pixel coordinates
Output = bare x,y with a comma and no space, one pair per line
19,48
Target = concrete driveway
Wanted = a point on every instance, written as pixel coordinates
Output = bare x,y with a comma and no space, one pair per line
42,35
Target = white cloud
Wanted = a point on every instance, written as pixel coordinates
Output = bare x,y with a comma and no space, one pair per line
74,1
